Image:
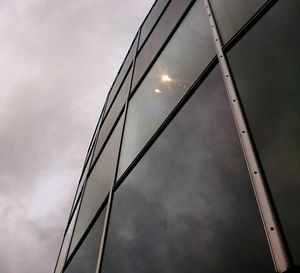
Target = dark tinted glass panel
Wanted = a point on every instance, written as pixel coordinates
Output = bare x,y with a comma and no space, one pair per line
121,74
158,37
85,259
266,70
231,15
87,162
66,243
95,135
184,58
188,206
151,19
98,184
113,114
82,181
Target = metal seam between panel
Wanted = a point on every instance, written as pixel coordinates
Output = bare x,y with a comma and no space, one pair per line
110,197
80,197
278,251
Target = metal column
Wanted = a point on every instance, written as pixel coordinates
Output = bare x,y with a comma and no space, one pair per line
276,245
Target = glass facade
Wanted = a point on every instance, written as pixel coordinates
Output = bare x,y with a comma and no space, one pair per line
167,185
265,61
183,221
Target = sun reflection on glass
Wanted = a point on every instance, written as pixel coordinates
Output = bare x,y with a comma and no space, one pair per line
166,78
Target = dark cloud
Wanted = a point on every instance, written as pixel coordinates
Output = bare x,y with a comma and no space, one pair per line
57,62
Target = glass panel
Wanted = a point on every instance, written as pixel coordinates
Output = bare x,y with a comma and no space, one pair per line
95,135
185,57
266,70
98,184
158,37
151,19
113,114
87,162
85,259
188,206
82,181
121,74
231,15
64,249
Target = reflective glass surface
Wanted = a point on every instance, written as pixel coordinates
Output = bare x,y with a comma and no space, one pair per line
82,181
85,259
266,68
151,19
184,58
66,243
231,15
157,38
95,135
98,184
188,206
88,160
113,114
120,77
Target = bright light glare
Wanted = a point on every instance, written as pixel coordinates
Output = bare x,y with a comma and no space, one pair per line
157,90
166,78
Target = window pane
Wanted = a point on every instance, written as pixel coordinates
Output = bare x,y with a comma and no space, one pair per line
180,64
151,19
98,185
82,181
231,15
113,114
158,37
85,259
66,242
188,206
87,163
266,70
121,74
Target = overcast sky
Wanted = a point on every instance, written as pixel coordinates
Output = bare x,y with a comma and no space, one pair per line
58,60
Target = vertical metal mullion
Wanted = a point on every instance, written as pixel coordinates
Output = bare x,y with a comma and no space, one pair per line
98,133
60,249
110,197
79,207
88,164
90,153
71,214
277,247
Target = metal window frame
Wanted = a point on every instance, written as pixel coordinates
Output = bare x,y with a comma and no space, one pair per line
75,202
168,119
89,154
278,249
70,257
140,47
249,24
110,131
87,164
95,157
272,230
110,197
107,111
119,72
164,44
99,211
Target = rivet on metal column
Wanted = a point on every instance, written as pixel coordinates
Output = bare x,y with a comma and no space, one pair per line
272,231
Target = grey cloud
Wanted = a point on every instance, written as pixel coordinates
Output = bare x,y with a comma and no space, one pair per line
57,62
